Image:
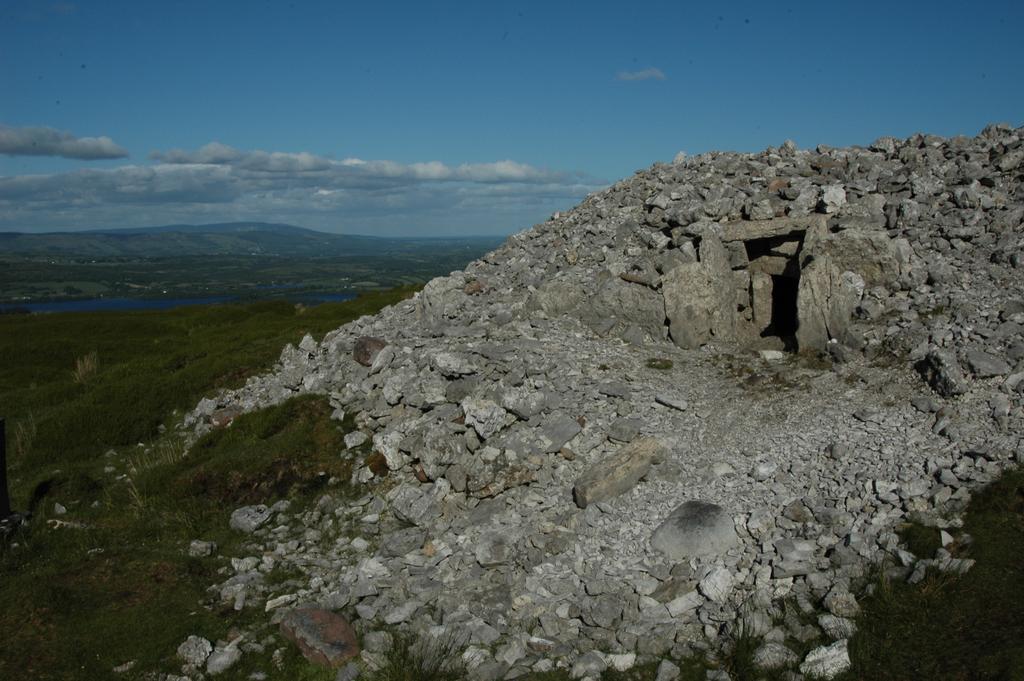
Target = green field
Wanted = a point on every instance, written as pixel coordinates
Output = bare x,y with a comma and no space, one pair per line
92,401
86,397
38,279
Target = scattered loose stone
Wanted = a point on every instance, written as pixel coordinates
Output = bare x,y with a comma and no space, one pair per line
250,518
827,662
194,651
223,658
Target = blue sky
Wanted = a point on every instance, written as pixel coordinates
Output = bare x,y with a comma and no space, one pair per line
454,118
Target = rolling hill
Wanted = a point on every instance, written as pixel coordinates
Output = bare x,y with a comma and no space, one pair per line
232,238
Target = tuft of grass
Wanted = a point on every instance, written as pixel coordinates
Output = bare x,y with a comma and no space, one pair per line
422,659
921,541
85,367
660,363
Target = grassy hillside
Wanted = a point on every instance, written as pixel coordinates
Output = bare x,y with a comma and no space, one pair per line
86,397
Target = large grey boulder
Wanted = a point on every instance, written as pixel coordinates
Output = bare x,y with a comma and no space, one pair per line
618,473
826,299
941,370
700,297
695,528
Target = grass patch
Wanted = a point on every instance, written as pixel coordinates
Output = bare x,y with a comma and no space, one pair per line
110,581
153,364
969,627
423,659
922,541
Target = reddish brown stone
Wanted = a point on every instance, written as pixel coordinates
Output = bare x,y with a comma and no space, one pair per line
367,348
222,418
323,637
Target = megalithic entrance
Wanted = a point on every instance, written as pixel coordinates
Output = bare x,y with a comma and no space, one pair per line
5,499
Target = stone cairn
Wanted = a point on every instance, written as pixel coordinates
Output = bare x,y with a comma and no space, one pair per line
645,426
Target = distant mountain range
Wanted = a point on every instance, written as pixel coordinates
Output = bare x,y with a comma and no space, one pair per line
226,238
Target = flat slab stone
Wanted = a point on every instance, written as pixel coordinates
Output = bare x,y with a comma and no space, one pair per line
745,230
695,528
619,472
323,637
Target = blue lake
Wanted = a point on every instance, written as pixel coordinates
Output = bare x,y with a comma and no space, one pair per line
109,304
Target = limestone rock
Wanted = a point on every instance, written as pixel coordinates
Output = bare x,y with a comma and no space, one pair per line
826,300
250,518
942,371
618,473
194,651
985,365
700,299
695,528
772,655
826,662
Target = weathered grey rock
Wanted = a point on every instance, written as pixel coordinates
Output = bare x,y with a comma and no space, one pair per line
194,651
590,664
414,503
556,429
871,254
250,518
355,438
323,637
826,662
198,548
625,429
667,671
485,416
985,365
700,298
493,550
618,473
942,372
772,655
762,229
837,627
222,658
717,585
695,528
833,198
826,300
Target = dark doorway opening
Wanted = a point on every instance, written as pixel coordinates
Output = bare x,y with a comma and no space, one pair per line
784,315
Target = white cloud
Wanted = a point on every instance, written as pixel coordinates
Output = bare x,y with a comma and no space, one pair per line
43,141
214,152
644,74
218,182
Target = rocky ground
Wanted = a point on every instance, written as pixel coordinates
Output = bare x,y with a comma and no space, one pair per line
589,449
